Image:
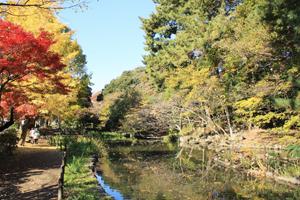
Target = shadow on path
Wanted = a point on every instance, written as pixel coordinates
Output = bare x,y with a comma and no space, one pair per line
31,173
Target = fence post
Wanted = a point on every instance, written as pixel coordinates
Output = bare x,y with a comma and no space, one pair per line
61,177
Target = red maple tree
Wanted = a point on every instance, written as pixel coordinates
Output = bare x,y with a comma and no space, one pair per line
22,57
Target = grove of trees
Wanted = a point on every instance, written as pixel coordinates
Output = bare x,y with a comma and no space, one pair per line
41,65
212,67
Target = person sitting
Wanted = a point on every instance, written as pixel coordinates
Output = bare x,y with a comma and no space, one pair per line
36,135
31,135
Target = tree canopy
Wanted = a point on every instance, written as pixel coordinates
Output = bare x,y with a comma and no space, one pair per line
8,7
25,59
44,96
223,66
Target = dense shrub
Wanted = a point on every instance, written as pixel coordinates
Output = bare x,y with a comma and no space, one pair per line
8,141
78,145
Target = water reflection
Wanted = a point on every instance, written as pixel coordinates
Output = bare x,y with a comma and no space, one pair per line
108,190
158,172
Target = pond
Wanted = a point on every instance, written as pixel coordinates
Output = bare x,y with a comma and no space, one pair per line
162,172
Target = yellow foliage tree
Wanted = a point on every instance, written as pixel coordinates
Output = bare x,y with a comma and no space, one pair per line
35,20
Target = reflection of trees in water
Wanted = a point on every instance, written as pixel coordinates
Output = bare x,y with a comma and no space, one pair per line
140,173
227,194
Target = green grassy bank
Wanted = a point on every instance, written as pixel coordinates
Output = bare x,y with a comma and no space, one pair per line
80,184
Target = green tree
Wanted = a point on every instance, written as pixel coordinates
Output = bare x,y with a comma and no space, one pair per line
242,63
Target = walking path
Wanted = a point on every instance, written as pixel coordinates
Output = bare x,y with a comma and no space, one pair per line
32,173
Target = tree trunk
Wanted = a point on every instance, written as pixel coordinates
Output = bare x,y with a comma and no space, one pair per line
228,121
10,122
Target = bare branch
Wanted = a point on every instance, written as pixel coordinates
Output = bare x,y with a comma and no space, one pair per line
49,5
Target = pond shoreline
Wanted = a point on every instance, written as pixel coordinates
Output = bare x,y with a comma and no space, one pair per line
248,145
138,170
149,156
257,149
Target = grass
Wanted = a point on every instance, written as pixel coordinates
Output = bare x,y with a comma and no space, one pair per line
80,184
294,150
109,136
278,163
292,171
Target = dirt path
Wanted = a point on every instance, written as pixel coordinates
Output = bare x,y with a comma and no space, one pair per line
32,173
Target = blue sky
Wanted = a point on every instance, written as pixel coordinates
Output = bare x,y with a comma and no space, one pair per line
110,34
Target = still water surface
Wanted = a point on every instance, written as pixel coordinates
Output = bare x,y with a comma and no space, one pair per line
159,172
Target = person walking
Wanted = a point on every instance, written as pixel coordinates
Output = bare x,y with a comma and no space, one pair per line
24,129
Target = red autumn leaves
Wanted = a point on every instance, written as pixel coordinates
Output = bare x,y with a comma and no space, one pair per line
23,57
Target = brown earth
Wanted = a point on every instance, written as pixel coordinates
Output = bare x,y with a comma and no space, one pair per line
31,173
